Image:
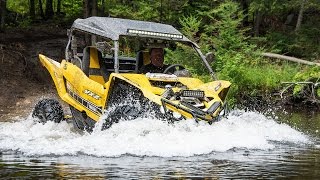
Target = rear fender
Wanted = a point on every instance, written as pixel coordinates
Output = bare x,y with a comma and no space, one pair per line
55,70
75,88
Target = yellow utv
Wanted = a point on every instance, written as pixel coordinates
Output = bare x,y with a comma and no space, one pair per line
100,77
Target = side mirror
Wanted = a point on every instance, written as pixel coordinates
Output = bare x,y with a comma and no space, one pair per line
210,57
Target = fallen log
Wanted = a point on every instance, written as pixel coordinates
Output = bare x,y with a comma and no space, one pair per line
293,59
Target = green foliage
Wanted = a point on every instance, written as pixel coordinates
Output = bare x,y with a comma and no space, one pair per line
190,26
234,54
19,11
269,6
304,45
140,10
236,59
307,75
188,57
184,54
225,20
279,29
18,14
18,6
72,9
217,26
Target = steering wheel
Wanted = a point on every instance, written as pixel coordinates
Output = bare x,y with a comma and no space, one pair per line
172,68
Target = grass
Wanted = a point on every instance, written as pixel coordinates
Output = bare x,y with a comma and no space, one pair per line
260,80
268,76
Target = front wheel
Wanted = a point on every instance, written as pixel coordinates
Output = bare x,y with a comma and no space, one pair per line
124,112
81,121
48,110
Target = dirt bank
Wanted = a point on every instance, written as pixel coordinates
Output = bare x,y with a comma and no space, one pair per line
23,80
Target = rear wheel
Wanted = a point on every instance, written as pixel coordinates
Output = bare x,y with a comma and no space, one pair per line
48,110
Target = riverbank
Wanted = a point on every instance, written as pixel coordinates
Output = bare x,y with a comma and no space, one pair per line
23,80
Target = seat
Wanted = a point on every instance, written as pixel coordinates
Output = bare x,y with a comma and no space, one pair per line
126,64
143,58
93,66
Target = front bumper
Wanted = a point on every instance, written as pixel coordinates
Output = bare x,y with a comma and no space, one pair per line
189,111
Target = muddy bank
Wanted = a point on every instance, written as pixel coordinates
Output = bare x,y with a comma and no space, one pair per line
23,79
271,104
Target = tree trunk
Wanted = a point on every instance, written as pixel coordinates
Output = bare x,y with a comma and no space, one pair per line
49,9
257,22
94,11
90,9
161,11
32,10
86,13
288,58
303,2
3,9
41,9
103,7
86,8
59,7
245,9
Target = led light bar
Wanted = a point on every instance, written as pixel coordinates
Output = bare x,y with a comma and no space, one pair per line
156,34
193,93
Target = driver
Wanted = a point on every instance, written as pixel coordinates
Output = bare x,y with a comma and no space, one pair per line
156,62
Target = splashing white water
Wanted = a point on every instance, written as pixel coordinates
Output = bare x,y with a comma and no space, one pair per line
148,136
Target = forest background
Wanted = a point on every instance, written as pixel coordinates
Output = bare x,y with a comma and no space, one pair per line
239,32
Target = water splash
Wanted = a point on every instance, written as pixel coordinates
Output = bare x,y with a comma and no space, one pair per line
149,137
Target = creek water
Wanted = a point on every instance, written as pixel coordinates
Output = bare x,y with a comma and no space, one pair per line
243,145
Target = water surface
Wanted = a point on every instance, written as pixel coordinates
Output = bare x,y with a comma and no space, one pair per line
244,145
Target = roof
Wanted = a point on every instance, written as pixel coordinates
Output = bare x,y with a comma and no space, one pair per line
114,27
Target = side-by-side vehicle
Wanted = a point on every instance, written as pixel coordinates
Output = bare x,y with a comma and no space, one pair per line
100,75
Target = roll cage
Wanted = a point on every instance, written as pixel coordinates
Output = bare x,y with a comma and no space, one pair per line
113,28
